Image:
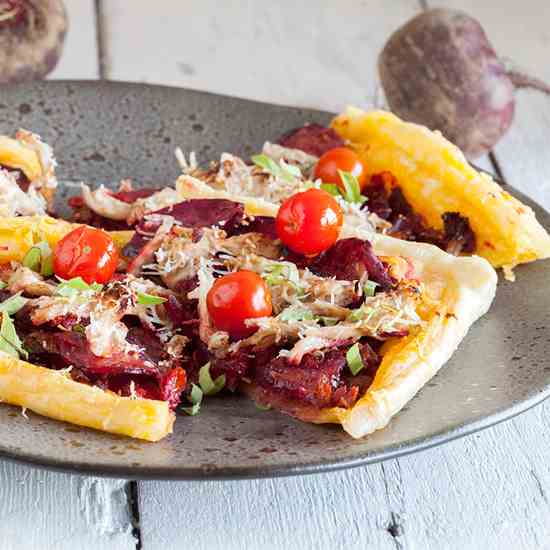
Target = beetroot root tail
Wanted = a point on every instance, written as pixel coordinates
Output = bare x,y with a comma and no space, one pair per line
522,80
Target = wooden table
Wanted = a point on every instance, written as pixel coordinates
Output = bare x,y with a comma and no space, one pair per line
489,490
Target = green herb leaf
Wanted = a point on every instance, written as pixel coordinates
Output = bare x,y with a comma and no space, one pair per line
46,269
9,341
149,300
33,259
282,272
196,398
295,313
352,190
262,407
354,359
3,285
75,286
331,188
13,304
328,321
370,288
281,170
209,386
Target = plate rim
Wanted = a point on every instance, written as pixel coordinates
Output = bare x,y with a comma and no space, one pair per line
261,471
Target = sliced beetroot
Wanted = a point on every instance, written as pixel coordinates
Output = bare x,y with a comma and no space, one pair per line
458,235
234,368
316,382
260,224
348,259
196,213
313,139
135,194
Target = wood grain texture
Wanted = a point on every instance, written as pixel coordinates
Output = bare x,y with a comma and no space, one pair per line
44,510
314,54
79,59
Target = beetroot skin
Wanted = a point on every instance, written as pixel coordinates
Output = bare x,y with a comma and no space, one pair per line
440,70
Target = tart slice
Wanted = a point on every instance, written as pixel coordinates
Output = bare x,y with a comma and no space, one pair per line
27,175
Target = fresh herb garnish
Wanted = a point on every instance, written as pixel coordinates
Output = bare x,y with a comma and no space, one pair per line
370,288
282,272
262,407
362,313
76,286
9,341
209,386
295,313
149,300
352,190
39,258
13,304
196,398
331,188
327,321
282,170
354,359
3,285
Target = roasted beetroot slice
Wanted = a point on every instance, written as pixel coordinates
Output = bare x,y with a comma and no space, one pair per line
314,382
82,214
260,224
134,195
348,259
197,213
458,235
313,139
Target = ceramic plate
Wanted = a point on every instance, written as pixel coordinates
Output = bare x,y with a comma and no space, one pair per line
102,132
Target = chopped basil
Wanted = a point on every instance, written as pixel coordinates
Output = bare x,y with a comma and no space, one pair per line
196,398
75,286
13,304
39,258
33,259
328,321
282,170
9,341
370,288
331,188
209,386
280,272
149,300
354,359
352,190
295,313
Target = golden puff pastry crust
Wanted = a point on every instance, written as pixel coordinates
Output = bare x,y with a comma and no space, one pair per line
435,178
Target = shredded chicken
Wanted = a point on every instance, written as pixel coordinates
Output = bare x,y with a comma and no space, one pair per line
22,279
102,202
161,199
14,201
304,161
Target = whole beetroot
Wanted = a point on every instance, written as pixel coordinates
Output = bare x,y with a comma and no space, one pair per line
440,70
32,33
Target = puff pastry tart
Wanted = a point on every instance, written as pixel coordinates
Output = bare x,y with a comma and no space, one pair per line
27,175
119,331
389,176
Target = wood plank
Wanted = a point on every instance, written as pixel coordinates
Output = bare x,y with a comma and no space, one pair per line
79,58
284,52
44,510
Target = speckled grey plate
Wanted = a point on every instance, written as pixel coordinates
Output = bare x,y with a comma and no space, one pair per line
104,131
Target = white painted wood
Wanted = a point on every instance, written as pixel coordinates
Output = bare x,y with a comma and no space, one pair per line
315,54
79,58
46,511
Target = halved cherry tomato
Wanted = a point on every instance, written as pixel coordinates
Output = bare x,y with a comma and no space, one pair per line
88,253
236,297
309,222
340,158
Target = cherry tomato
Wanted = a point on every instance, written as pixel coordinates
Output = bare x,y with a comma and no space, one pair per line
88,253
309,222
236,297
340,158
